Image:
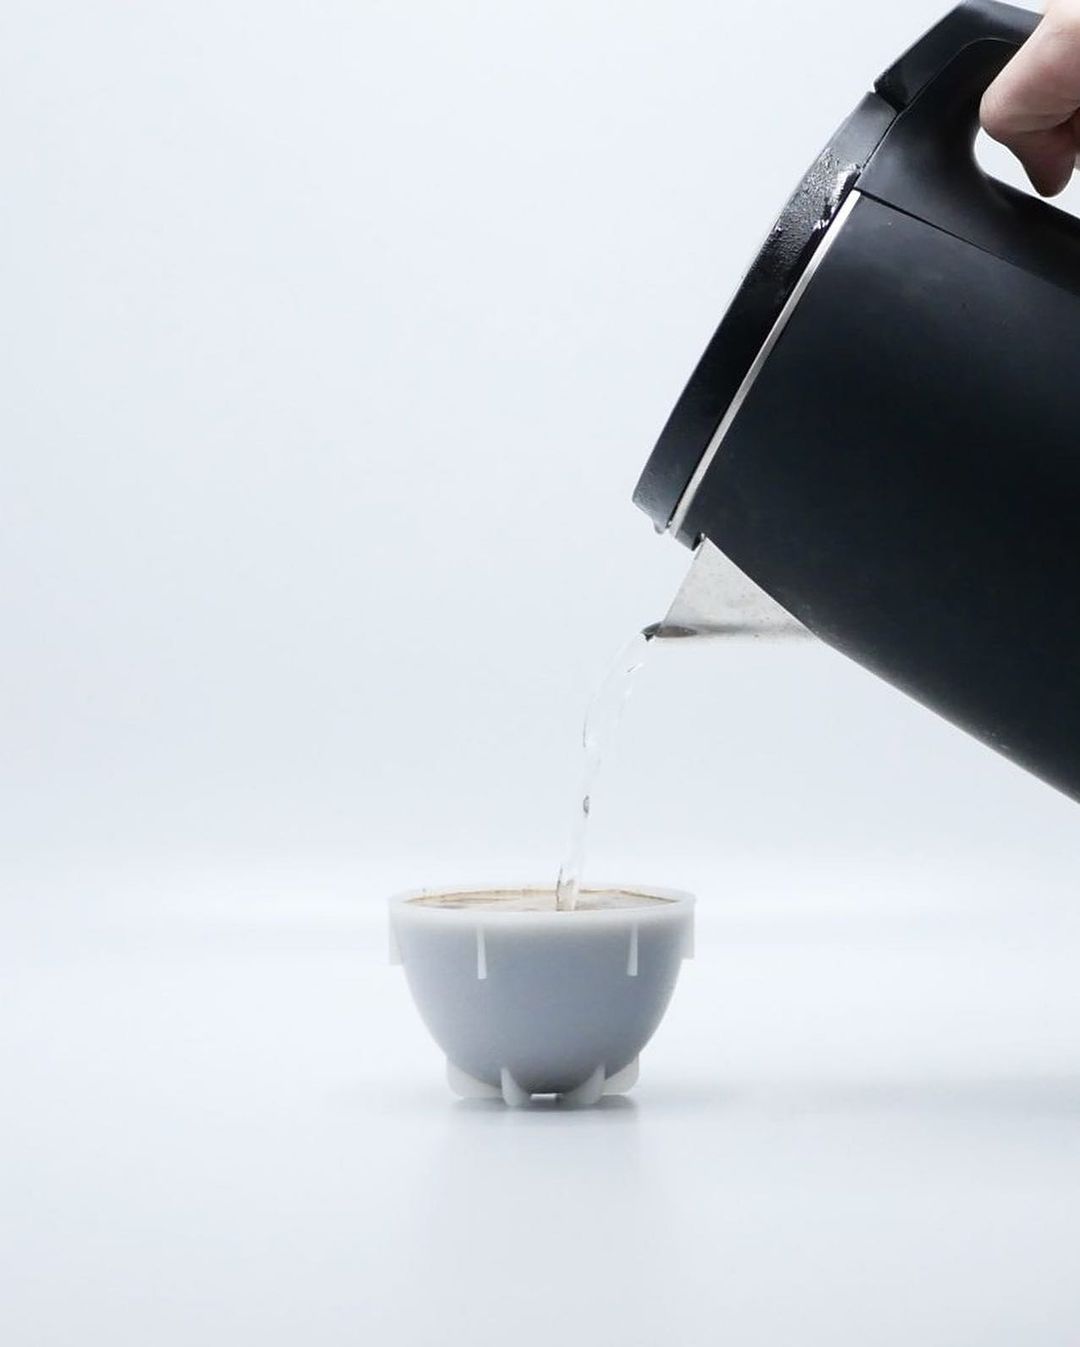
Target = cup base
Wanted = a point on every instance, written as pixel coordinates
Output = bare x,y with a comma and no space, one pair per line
589,1092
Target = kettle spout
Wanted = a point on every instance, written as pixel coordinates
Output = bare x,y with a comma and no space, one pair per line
718,599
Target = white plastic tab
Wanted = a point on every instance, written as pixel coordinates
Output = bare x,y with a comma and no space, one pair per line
588,1092
512,1092
622,1080
468,1087
632,958
481,954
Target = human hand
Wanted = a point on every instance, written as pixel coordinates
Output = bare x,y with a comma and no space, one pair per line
1033,106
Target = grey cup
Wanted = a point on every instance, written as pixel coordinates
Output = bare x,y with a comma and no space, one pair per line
541,1002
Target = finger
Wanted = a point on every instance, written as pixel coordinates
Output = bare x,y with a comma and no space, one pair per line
1039,88
1048,157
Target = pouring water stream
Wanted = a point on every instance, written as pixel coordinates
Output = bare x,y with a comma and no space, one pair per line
715,600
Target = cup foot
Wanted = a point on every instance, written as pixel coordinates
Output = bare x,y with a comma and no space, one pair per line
468,1087
622,1080
586,1094
589,1092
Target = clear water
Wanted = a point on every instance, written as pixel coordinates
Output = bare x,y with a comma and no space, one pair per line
715,600
602,720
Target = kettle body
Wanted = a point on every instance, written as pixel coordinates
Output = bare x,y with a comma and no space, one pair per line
884,433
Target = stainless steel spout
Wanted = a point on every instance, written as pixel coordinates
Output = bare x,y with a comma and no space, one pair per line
717,599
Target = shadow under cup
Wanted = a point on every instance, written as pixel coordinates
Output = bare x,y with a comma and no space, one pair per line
525,999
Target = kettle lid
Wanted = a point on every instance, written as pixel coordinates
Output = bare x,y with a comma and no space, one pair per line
756,306
711,395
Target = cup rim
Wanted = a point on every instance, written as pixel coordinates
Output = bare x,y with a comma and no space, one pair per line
674,901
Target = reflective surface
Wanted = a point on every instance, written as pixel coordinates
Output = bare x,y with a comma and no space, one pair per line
223,1122
718,599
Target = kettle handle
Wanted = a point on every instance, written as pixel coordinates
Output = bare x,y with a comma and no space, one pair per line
974,21
925,163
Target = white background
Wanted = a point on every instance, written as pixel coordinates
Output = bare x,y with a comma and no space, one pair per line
335,336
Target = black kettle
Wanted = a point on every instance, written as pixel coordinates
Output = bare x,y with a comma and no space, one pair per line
884,432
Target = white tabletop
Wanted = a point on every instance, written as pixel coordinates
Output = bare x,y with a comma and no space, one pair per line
224,1123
